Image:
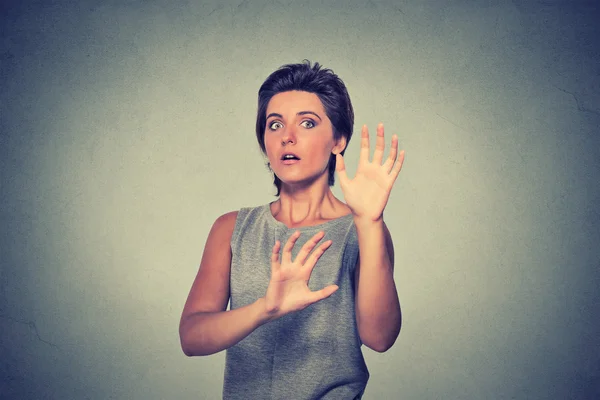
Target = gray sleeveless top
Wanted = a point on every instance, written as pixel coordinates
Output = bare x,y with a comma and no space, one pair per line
310,354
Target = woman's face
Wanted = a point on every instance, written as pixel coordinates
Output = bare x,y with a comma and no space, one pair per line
297,124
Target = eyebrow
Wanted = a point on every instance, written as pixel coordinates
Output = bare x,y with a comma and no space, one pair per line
300,113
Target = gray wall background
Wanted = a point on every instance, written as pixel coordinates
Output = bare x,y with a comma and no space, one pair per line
127,129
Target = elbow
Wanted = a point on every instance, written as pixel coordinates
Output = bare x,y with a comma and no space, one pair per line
194,348
384,344
183,340
189,347
381,346
386,341
380,349
191,351
185,346
381,343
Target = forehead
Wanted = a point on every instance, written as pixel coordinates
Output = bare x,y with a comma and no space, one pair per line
294,101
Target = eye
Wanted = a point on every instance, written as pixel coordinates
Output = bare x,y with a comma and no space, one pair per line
275,125
308,123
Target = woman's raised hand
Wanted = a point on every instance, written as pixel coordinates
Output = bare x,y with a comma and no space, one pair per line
288,288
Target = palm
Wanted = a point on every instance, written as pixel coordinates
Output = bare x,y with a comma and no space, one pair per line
288,289
368,192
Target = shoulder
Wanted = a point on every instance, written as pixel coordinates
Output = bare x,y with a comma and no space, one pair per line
227,219
224,225
236,222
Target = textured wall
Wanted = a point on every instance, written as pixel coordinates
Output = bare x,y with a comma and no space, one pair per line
127,128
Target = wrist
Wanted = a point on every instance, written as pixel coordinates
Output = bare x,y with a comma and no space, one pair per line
264,315
368,223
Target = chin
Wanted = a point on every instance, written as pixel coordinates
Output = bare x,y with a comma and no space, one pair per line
302,181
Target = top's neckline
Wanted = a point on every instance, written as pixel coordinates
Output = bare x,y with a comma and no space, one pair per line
267,209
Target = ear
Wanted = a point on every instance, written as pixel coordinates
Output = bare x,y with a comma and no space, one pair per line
340,145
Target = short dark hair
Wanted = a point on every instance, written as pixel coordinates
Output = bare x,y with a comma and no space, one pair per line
313,79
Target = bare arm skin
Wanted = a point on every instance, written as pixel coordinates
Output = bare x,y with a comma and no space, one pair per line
206,327
378,313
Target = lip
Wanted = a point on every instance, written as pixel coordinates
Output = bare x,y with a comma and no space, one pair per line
290,153
289,162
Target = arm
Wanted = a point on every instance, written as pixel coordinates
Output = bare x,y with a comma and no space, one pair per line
206,333
378,314
206,327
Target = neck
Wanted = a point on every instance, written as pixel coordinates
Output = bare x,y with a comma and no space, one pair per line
313,204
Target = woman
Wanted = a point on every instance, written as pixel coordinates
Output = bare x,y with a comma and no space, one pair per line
288,337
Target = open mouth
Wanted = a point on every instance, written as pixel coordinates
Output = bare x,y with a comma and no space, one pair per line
289,158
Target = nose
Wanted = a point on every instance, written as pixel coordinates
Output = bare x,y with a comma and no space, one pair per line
289,135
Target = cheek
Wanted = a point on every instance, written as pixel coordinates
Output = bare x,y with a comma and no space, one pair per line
327,146
268,144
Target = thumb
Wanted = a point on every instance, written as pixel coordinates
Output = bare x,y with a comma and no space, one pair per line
340,167
323,293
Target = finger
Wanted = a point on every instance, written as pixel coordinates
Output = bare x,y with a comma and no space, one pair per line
275,252
398,166
323,293
289,245
275,265
379,145
340,167
314,257
389,163
308,246
364,145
